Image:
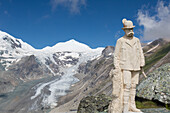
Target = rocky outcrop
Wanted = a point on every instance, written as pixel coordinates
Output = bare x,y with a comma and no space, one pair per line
108,51
5,86
96,104
156,86
28,68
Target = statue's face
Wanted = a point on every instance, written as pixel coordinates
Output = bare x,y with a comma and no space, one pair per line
129,32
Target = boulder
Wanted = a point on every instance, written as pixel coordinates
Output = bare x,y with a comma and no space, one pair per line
96,104
156,85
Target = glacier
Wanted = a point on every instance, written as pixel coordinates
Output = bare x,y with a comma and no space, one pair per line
59,87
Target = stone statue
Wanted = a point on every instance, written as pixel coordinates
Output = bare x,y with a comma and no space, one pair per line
128,61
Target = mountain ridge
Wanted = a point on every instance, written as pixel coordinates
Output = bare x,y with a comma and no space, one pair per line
58,45
13,49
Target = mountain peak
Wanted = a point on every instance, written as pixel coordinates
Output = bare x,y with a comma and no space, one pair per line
10,43
70,45
72,40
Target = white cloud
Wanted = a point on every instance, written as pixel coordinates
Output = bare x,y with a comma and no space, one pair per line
157,25
73,5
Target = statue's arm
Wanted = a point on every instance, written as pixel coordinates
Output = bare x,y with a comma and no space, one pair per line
117,55
141,55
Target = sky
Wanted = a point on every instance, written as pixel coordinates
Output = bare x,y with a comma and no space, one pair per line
96,23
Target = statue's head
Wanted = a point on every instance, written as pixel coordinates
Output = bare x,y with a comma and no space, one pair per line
128,27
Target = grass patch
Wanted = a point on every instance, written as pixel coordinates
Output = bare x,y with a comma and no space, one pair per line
144,103
150,61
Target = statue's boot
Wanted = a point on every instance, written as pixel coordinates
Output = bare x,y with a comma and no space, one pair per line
132,106
126,100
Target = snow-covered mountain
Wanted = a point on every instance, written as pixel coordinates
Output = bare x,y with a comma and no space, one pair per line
71,45
64,54
12,49
20,62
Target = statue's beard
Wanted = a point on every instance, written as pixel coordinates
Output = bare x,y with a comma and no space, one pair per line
130,34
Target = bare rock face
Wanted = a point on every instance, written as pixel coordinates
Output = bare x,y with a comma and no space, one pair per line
28,68
156,85
5,86
108,51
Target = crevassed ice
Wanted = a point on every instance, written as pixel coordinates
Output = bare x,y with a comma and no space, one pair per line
59,87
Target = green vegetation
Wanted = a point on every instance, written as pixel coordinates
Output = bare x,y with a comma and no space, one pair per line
150,61
144,103
167,106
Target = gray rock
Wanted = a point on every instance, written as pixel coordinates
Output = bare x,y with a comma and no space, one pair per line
109,50
94,104
156,86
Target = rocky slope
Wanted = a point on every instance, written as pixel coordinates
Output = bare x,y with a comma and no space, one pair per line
153,46
158,58
94,80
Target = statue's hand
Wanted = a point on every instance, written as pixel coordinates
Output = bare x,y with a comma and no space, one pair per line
111,73
115,72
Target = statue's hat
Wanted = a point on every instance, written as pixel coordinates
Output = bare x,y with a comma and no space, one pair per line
127,24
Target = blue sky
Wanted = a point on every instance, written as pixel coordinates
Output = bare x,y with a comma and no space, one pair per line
96,23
